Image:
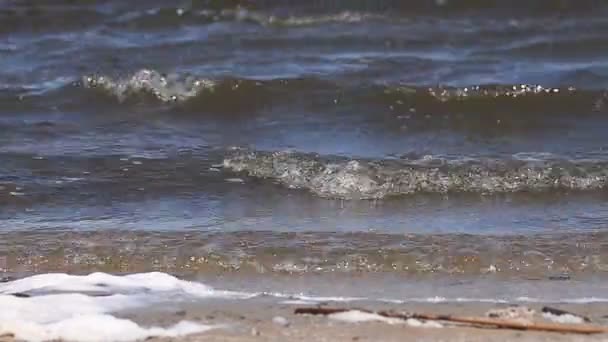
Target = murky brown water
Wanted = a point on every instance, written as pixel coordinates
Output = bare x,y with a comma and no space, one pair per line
548,256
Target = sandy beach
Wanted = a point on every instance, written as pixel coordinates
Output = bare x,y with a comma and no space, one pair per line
160,307
257,321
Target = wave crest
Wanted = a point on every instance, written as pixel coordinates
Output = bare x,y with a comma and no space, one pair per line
164,87
180,87
497,98
346,178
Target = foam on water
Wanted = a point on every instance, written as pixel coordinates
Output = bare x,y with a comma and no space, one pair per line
341,17
347,178
409,102
79,308
164,87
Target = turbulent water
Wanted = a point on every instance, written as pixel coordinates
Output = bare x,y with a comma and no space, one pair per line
365,179
429,138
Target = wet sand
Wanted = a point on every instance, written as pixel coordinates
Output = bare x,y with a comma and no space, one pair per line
268,318
253,321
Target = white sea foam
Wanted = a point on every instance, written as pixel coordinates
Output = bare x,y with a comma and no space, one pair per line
166,88
356,316
565,318
78,308
103,283
93,328
351,179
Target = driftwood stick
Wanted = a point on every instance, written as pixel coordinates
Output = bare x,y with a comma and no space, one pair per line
475,321
510,324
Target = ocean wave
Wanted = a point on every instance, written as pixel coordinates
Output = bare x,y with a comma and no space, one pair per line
186,87
296,15
438,6
190,93
64,16
491,108
529,98
21,17
347,178
183,88
163,87
172,16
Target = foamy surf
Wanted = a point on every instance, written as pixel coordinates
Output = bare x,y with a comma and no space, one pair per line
164,87
93,328
347,178
80,308
108,285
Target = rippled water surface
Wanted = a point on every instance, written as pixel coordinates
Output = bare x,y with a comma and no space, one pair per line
446,137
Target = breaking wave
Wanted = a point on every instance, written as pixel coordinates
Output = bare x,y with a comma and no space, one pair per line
165,88
479,106
20,15
346,178
187,88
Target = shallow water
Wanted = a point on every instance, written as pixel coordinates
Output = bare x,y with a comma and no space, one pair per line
428,138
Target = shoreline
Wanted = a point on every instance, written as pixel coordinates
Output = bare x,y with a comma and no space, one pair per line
256,321
160,307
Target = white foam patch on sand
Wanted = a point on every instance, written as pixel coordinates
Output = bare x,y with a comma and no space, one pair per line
107,284
78,308
565,318
94,328
423,324
356,316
